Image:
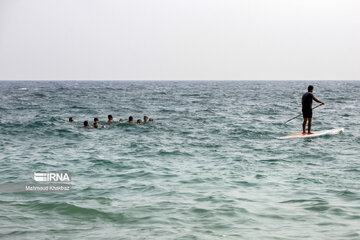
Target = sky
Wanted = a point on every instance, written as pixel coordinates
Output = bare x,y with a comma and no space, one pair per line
179,40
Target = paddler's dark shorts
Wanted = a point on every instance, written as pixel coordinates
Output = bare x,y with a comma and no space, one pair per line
307,113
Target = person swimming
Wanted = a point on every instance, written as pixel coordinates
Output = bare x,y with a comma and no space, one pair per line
110,119
96,120
139,121
86,124
151,120
96,125
71,119
146,119
121,120
131,119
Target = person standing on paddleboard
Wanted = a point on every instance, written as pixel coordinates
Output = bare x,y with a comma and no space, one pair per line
307,99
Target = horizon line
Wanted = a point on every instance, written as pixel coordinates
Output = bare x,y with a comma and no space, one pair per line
182,80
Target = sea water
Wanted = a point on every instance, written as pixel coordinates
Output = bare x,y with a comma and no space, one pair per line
210,166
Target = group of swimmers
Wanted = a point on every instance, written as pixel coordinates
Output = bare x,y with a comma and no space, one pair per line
111,120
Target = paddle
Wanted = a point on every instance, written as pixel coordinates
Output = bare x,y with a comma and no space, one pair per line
301,114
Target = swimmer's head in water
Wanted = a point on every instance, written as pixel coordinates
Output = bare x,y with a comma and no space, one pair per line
139,121
121,120
110,117
71,119
86,124
151,120
96,125
131,119
146,118
96,120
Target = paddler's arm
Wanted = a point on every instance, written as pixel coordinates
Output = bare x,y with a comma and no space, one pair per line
317,100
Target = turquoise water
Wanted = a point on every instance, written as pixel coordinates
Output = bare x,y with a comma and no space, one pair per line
209,167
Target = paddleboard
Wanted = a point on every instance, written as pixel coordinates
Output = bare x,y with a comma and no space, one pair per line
314,134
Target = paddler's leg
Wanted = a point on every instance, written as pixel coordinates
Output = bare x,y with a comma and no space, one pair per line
309,126
304,125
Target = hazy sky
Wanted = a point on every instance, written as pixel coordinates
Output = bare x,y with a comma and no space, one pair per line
182,39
